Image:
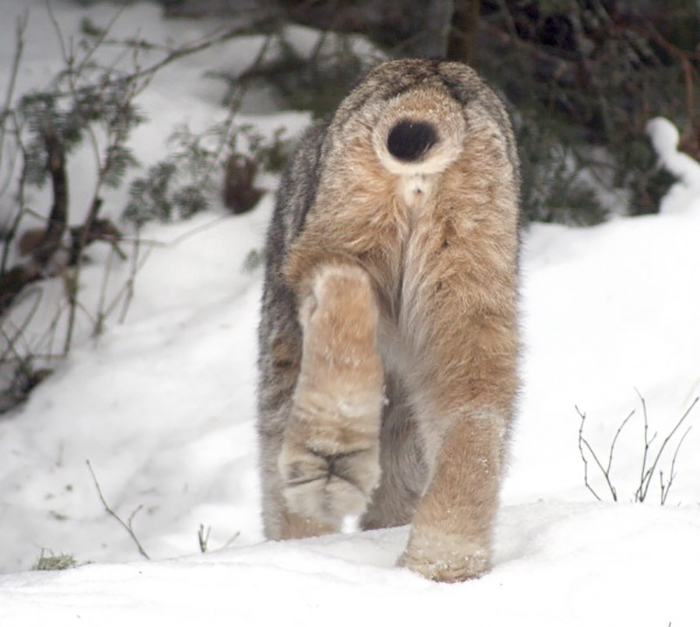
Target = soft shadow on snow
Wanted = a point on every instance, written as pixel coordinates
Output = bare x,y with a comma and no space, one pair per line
570,564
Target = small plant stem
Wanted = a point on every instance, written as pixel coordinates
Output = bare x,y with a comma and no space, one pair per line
647,471
128,526
643,489
666,488
9,93
582,442
203,538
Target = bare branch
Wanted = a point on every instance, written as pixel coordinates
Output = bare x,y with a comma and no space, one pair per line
19,333
58,31
666,488
100,39
645,487
231,540
127,525
58,219
617,434
203,538
647,443
9,94
581,443
647,470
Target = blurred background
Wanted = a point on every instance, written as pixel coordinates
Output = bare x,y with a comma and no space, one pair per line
582,77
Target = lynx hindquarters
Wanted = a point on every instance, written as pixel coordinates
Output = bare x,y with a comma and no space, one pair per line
388,339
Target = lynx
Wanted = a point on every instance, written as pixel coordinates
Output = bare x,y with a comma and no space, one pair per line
389,331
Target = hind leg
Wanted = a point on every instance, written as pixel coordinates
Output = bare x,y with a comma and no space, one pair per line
279,522
329,459
403,469
464,417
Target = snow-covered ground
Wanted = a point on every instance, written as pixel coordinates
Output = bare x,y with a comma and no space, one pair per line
162,406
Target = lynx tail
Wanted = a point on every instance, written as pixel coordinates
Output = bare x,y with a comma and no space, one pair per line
419,133
409,140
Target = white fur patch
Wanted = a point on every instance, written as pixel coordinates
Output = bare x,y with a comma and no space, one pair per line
415,189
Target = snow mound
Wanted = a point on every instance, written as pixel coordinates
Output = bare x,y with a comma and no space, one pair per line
557,564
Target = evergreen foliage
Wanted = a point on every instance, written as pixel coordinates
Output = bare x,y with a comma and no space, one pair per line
583,78
185,182
586,77
65,113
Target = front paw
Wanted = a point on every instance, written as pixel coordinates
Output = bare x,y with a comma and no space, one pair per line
444,557
328,485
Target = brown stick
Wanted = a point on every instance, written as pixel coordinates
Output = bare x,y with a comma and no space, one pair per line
113,514
58,218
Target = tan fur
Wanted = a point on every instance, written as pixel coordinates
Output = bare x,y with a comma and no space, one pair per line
405,275
330,456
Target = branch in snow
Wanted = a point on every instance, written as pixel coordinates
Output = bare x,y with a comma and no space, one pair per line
111,512
649,466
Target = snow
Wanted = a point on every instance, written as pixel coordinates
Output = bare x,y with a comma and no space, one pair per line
162,406
683,196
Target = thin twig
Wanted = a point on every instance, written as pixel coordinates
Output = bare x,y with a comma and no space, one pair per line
645,488
235,100
203,538
96,202
102,311
206,42
606,471
9,93
666,488
647,443
617,434
137,263
231,540
111,512
19,332
647,471
100,39
581,442
57,30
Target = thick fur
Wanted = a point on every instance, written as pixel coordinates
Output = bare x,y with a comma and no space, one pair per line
389,336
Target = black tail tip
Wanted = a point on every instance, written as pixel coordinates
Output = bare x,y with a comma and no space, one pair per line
409,140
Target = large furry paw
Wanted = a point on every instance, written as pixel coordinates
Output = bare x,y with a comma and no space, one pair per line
328,485
443,557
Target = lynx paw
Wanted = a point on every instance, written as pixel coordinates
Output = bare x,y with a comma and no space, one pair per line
444,557
327,486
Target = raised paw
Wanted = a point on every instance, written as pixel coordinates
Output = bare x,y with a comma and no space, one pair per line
325,485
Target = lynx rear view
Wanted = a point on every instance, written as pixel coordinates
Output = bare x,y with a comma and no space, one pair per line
389,333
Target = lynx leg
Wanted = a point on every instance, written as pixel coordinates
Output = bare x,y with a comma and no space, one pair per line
329,462
452,527
464,388
403,470
279,522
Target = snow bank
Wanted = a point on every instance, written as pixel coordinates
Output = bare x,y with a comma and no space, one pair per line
574,565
